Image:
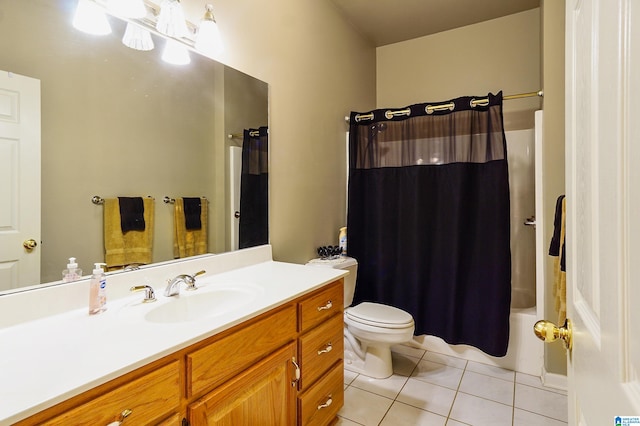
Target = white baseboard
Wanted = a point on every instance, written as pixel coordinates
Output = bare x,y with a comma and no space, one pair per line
553,380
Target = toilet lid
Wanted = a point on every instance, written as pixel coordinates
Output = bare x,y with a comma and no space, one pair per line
379,315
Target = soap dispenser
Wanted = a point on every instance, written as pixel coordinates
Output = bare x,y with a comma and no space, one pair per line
98,290
72,273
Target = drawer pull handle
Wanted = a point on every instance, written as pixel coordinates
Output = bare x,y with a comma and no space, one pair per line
326,404
329,305
326,349
294,382
126,413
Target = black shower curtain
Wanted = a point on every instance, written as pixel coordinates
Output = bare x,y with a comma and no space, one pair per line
428,219
254,193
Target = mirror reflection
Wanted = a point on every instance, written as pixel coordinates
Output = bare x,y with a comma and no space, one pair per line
117,122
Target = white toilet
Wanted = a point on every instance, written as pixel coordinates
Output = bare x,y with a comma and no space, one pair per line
370,329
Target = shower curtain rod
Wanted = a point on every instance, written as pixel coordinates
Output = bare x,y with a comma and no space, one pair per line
429,109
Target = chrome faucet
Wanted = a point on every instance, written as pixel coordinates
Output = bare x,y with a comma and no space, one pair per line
173,285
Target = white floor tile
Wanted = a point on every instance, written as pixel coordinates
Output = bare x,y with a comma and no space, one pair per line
490,370
480,412
445,359
389,387
427,396
408,350
438,374
364,407
345,422
403,365
487,387
405,415
541,401
452,422
349,376
526,418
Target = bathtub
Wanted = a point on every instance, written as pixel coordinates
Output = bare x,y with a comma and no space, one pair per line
525,353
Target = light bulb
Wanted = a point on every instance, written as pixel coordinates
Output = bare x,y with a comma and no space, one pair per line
171,19
91,19
137,38
176,54
133,9
208,40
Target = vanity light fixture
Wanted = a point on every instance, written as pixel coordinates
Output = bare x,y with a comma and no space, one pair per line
91,19
171,21
134,9
175,53
208,40
137,38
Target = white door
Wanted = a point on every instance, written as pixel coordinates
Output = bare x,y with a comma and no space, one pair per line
19,180
603,209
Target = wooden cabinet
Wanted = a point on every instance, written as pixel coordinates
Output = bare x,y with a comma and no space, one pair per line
262,395
284,367
321,352
147,399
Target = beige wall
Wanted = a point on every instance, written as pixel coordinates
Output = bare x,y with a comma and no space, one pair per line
552,12
501,54
318,69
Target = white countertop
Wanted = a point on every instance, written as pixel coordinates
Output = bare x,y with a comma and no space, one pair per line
48,360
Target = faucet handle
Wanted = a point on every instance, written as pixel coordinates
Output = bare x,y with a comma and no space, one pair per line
191,281
149,294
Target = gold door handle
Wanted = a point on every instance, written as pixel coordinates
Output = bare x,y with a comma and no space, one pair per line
30,244
549,332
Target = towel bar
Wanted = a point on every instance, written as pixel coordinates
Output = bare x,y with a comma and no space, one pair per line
97,200
169,200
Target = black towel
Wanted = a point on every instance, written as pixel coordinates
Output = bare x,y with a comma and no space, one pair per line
192,211
131,214
554,247
557,247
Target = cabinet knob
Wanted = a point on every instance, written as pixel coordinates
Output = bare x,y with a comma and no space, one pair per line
329,305
326,349
326,404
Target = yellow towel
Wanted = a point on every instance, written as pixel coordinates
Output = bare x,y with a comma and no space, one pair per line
189,242
560,276
131,247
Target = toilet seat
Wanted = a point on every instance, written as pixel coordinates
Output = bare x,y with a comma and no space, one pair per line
379,315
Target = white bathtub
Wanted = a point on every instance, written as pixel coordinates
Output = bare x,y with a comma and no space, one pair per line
525,353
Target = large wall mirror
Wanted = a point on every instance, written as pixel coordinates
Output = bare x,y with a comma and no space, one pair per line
121,122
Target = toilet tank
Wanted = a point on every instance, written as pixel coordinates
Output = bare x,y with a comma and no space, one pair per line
346,263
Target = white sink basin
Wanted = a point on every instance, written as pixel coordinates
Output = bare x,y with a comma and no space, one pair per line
203,303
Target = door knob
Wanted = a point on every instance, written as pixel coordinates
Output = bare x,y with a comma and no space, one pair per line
30,244
549,332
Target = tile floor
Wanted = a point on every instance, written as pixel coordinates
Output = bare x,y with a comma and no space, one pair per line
433,389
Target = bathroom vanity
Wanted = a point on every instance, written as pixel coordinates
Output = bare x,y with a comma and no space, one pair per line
272,355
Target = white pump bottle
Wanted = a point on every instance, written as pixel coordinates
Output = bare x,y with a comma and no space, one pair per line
72,273
98,290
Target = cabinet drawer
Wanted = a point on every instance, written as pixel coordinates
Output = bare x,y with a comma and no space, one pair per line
321,403
320,348
213,364
150,398
318,307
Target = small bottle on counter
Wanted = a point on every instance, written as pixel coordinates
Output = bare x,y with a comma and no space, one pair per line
342,238
98,290
72,273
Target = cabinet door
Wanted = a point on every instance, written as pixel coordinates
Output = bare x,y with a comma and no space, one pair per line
262,395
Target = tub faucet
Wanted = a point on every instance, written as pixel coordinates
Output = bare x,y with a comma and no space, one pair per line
173,285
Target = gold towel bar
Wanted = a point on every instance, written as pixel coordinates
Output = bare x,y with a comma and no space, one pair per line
97,200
